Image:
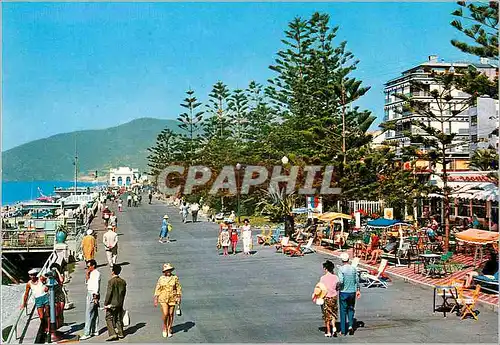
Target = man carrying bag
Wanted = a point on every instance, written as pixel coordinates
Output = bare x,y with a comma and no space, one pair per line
115,296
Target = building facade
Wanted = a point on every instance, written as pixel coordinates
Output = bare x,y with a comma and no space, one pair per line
483,120
123,176
458,121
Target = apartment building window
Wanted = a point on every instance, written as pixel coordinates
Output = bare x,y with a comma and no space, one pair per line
473,138
473,120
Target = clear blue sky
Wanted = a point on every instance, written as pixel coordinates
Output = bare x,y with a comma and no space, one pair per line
74,66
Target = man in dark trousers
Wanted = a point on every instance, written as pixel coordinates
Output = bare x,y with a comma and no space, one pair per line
115,296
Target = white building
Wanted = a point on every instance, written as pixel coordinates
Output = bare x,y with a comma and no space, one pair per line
123,176
483,123
404,84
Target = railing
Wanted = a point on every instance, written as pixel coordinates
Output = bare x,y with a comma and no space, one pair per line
13,331
27,239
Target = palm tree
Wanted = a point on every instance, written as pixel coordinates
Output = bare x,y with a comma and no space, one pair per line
484,160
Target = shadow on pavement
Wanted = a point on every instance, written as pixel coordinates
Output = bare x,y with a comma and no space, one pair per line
132,329
357,324
124,263
75,328
184,327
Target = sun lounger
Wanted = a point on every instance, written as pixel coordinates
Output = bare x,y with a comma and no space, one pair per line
488,283
375,280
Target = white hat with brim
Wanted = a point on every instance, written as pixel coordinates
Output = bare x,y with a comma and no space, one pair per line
344,257
167,267
110,227
33,271
165,216
90,232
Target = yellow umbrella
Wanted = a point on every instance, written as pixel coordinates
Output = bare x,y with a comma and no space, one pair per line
334,215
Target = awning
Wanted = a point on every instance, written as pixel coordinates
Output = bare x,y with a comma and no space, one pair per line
477,236
382,222
334,215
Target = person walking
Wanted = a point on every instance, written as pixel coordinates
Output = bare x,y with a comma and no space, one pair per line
349,291
110,240
113,303
120,205
184,211
164,230
224,239
92,306
136,200
88,245
113,221
150,196
246,234
40,292
168,293
330,307
129,200
194,211
234,240
106,213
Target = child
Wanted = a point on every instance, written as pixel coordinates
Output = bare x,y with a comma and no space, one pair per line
224,240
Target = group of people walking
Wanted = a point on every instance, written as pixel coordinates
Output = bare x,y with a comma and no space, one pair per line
336,293
229,236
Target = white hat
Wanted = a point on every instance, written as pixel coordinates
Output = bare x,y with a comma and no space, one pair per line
106,206
344,257
167,267
110,227
165,216
33,271
90,231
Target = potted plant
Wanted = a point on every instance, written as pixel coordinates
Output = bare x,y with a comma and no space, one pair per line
61,233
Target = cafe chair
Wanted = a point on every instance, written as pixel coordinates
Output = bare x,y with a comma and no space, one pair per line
468,303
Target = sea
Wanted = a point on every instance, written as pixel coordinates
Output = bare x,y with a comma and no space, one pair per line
16,191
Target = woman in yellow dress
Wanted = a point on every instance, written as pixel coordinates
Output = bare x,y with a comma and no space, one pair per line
167,293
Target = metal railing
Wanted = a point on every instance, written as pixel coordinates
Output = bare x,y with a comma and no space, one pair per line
13,334
29,239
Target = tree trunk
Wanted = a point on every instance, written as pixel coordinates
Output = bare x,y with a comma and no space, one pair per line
446,204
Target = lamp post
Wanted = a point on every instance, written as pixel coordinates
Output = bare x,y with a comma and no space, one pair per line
52,304
238,168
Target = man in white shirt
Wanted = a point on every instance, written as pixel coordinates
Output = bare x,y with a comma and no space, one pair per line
110,240
92,306
194,211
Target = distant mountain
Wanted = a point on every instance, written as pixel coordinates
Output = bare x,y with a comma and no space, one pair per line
52,158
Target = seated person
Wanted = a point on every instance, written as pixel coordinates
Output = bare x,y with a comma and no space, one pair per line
489,269
389,248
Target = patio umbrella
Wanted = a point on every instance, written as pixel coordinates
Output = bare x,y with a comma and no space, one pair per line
333,215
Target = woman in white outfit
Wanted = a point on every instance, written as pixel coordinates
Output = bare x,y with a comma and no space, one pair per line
247,237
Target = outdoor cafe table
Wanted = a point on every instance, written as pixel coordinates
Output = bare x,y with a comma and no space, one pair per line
445,292
429,259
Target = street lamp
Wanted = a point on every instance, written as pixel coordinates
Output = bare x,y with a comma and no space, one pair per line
238,168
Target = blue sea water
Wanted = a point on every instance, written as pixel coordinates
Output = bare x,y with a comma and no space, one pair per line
13,192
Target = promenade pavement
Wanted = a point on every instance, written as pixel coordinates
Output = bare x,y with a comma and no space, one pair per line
265,297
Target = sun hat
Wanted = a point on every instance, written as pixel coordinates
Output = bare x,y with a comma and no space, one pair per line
344,257
90,231
320,292
33,271
167,267
165,216
110,226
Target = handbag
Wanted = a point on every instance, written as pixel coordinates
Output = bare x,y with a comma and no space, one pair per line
178,310
126,318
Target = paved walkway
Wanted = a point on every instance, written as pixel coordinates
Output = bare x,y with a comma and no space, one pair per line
261,298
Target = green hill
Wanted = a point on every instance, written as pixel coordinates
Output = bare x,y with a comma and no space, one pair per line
52,158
